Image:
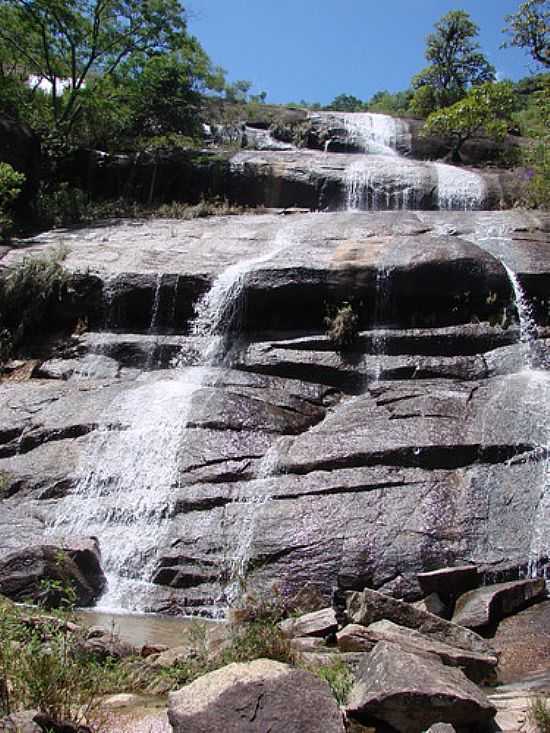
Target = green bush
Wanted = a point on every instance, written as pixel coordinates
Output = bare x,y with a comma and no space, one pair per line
43,667
539,714
11,183
339,678
342,326
27,293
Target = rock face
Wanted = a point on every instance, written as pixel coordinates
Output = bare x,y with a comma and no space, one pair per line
261,695
488,605
318,623
449,582
25,573
422,447
411,692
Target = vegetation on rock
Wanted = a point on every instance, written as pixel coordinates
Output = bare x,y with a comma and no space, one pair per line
342,326
485,109
11,183
27,294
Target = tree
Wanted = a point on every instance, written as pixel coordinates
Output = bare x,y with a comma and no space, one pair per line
485,109
529,29
388,103
347,103
456,62
69,43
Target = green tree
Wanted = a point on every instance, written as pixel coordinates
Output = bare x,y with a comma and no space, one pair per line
456,62
485,109
238,91
347,103
388,103
79,41
529,28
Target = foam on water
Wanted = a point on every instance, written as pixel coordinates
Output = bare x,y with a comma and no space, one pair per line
459,189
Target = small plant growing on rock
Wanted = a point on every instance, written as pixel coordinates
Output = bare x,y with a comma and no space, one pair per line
339,678
539,714
342,326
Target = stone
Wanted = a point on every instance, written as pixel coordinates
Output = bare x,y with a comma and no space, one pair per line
307,644
21,722
317,623
108,646
24,572
370,606
441,728
260,695
433,604
488,605
449,583
356,638
411,692
171,657
147,650
476,666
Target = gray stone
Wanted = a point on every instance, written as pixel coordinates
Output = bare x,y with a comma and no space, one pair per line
318,623
370,606
260,695
22,722
411,692
441,728
488,605
24,572
356,638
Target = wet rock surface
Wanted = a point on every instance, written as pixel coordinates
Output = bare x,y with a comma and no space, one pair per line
406,454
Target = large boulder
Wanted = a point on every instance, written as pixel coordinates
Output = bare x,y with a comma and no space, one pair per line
317,623
411,692
370,606
49,574
259,696
475,665
488,605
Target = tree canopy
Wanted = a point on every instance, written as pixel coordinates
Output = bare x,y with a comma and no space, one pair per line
486,108
529,28
71,44
455,60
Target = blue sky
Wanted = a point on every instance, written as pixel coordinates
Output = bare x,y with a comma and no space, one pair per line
316,49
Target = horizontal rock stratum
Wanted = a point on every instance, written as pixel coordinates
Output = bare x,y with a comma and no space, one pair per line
421,447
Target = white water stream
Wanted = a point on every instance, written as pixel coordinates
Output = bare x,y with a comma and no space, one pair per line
130,469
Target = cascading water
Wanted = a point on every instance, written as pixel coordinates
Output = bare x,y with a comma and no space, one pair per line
131,468
381,312
459,189
527,324
240,545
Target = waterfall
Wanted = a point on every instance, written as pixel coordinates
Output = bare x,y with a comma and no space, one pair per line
372,133
381,313
527,324
243,532
459,189
131,465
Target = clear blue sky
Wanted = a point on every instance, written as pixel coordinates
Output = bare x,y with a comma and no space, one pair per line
316,49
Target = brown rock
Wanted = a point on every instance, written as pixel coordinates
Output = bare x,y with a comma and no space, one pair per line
411,692
260,696
318,623
370,606
488,605
356,638
477,667
433,604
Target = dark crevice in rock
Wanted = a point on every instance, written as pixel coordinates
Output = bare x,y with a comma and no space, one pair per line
429,457
335,490
25,442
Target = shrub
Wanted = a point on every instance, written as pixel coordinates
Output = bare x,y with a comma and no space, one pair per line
343,326
43,667
11,183
539,714
257,640
27,293
339,678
